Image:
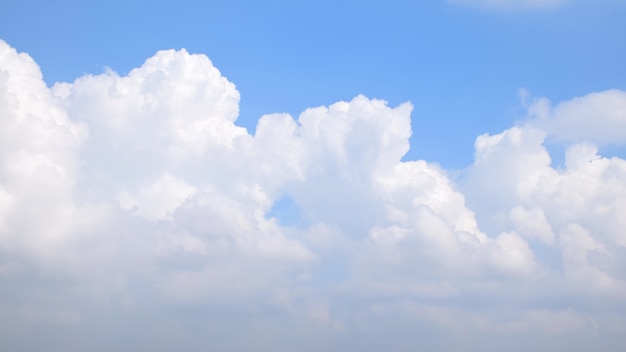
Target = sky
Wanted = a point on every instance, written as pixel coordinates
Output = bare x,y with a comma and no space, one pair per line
294,175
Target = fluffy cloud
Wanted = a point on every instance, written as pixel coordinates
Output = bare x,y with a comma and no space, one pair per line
599,118
137,198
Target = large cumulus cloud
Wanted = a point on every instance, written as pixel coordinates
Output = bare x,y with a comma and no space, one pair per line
137,198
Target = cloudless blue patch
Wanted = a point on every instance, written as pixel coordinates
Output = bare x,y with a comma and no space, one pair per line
613,151
286,211
557,154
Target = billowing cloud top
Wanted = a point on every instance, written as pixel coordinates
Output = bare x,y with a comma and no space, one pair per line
135,212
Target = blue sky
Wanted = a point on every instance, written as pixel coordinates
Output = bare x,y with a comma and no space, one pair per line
289,175
460,66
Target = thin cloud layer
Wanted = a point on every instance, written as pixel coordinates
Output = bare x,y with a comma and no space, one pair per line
135,203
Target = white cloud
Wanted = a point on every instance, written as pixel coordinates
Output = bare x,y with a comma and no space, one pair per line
509,5
532,223
577,208
599,118
159,199
138,196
